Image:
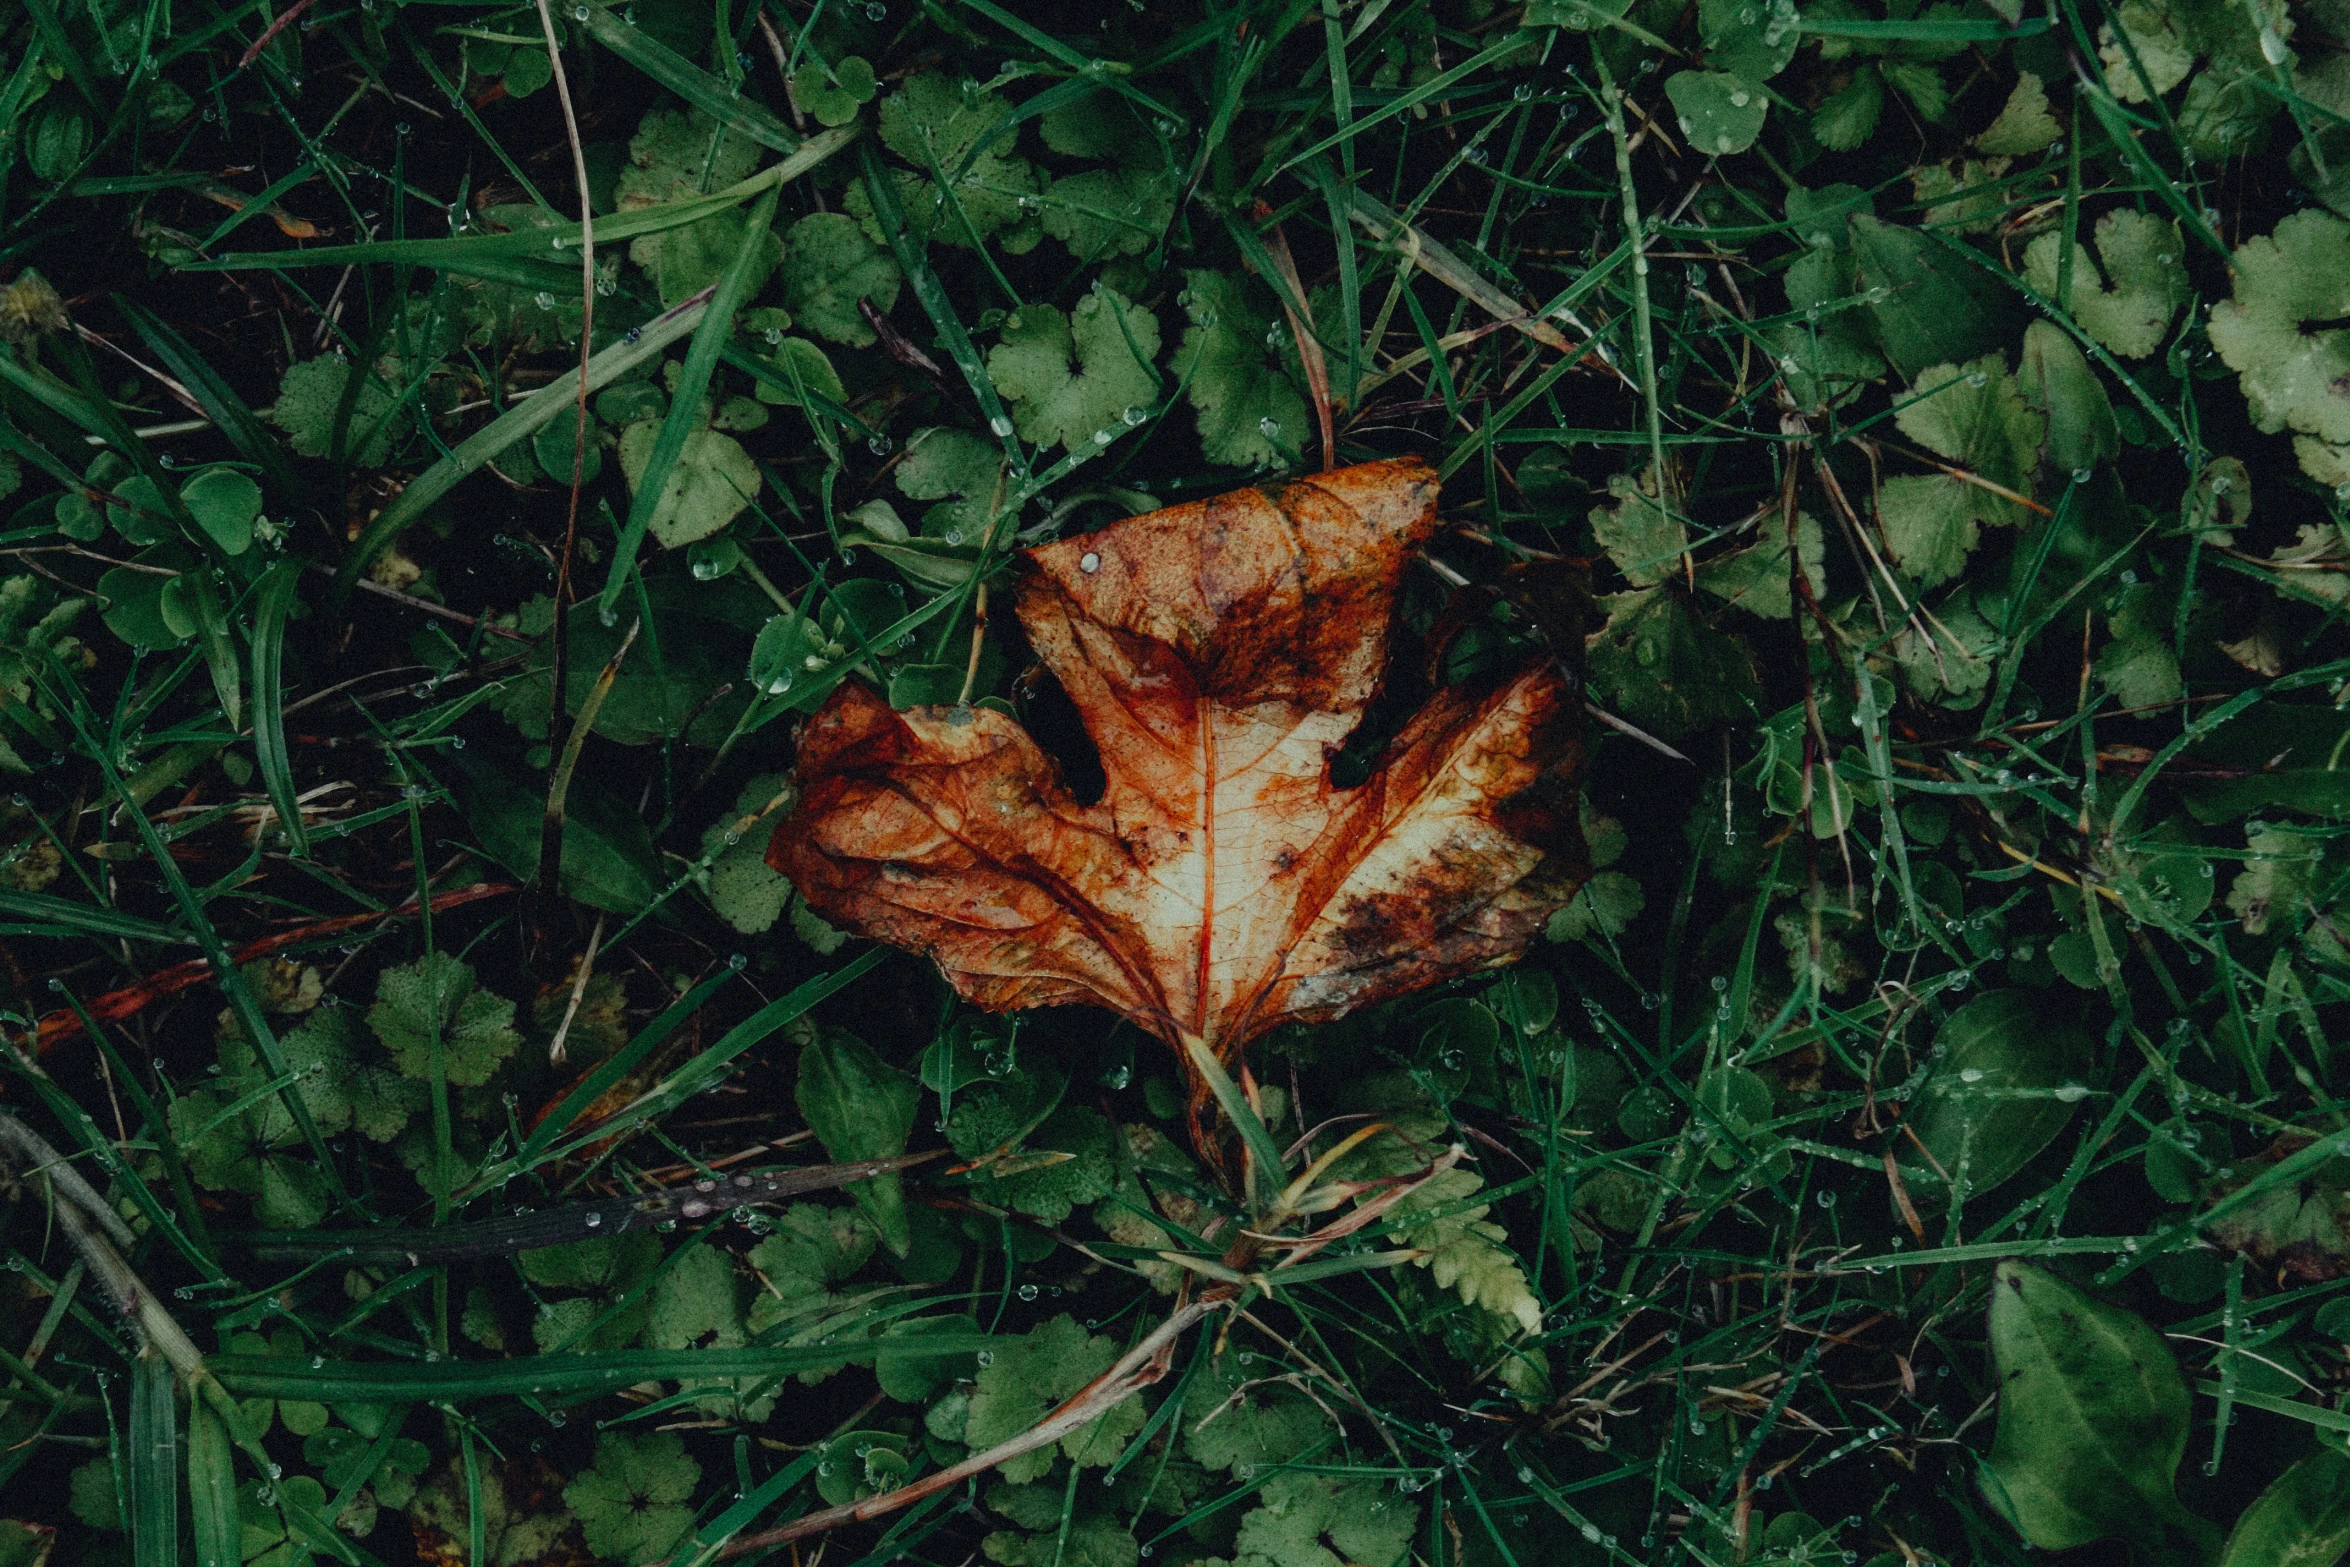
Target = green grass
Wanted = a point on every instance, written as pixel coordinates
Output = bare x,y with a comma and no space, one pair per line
1922,425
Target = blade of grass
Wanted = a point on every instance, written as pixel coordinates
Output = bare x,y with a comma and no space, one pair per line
272,606
688,80
521,420
154,1463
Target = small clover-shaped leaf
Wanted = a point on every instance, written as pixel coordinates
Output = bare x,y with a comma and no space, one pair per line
432,1004
1071,379
632,1505
834,95
1250,412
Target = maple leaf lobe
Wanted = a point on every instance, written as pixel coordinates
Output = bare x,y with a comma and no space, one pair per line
1220,653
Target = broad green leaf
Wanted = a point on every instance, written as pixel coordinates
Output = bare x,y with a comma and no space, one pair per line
1115,211
2007,1077
861,1107
1606,905
1929,305
2056,379
1659,665
829,266
677,154
2144,282
1071,380
1719,113
308,398
2301,1520
224,503
2093,1420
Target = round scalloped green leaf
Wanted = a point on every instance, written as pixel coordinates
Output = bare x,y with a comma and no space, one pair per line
1720,113
2294,372
713,481
224,503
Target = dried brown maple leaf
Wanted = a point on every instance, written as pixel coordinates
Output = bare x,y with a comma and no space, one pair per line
1220,653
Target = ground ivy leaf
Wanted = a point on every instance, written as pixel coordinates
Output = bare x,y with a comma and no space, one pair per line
1091,1541
2156,58
308,397
1847,116
1954,669
1304,1520
1246,1422
957,469
1963,196
1932,522
632,1506
1605,905
1719,113
2272,891
1051,1192
2144,283
933,124
1250,413
437,993
1757,579
829,265
2295,373
677,154
811,1251
1660,666
747,893
1071,379
1640,533
2024,124
1975,414
2139,666
1027,1381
